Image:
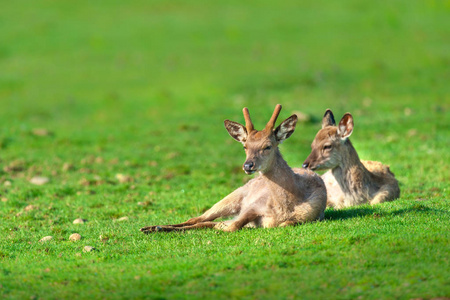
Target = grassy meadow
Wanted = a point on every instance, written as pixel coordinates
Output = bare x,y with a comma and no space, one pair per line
120,105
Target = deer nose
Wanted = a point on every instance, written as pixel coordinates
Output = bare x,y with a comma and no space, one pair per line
305,165
248,166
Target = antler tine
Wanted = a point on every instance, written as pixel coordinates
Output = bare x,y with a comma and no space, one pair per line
273,119
248,121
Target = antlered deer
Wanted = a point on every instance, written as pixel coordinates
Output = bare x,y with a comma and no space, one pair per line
350,181
277,197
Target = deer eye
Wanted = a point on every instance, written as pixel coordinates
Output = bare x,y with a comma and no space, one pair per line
245,148
268,148
327,147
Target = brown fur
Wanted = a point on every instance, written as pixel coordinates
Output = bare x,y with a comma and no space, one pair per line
277,197
349,181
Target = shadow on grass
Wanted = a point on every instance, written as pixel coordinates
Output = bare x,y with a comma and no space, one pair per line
332,214
417,208
377,212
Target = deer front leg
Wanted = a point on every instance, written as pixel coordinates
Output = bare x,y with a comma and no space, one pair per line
238,223
230,205
288,223
380,197
169,228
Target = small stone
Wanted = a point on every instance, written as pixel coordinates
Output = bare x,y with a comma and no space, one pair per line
412,132
209,242
122,219
172,155
39,180
407,111
40,132
88,249
103,237
75,237
46,239
15,166
84,181
303,117
29,207
67,167
114,161
123,178
79,221
7,183
367,102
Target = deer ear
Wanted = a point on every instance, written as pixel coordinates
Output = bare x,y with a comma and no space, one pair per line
345,127
286,128
236,130
328,119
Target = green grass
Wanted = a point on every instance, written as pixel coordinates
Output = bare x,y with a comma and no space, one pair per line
141,88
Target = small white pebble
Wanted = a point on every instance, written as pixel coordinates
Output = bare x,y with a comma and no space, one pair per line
75,237
7,183
79,221
67,167
88,248
29,207
123,178
303,117
40,132
408,111
46,239
122,219
39,180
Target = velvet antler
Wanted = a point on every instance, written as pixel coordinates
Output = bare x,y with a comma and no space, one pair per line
248,122
271,124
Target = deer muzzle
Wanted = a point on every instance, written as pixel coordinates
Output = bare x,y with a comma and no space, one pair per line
249,167
310,162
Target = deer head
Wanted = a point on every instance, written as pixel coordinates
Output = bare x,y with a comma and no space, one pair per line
261,147
330,142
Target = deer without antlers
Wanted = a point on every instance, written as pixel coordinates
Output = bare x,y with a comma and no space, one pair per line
277,197
350,181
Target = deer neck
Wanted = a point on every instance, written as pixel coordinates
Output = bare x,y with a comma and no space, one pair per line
351,174
279,172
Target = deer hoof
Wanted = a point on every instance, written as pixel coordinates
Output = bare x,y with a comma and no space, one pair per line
230,228
226,226
158,228
221,226
148,229
145,230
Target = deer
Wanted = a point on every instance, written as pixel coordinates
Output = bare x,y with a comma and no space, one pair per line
276,197
349,180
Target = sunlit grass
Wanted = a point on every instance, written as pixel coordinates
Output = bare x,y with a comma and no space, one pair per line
121,106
